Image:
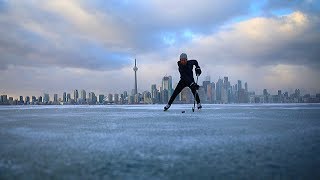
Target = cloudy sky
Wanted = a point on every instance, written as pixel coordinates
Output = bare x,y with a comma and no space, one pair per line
58,45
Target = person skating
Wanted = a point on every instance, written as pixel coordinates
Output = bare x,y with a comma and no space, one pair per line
186,79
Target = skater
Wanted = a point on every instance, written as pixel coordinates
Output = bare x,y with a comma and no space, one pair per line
186,79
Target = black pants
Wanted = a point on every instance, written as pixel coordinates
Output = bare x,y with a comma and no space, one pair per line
179,88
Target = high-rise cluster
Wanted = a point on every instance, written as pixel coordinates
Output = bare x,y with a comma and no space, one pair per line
220,92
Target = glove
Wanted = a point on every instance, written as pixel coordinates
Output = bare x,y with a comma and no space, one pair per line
198,71
194,86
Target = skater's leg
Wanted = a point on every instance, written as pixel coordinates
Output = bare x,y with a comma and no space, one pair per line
175,93
196,96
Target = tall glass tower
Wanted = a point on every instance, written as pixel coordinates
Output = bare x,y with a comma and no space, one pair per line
75,95
167,84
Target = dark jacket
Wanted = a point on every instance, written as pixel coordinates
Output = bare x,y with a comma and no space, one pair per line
186,71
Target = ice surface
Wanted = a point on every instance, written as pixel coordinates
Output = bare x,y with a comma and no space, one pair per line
266,141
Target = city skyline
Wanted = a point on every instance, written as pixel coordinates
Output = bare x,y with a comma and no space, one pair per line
159,87
56,46
166,83
220,92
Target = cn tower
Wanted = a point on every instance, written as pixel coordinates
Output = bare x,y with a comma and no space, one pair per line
135,68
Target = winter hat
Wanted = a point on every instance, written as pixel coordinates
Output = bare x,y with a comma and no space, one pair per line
183,56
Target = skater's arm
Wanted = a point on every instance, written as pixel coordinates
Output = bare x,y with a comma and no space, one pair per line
195,63
198,69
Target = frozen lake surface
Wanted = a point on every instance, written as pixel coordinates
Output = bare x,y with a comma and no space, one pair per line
275,141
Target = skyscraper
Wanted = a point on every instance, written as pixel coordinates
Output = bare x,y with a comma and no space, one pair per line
83,95
64,97
240,92
206,86
4,98
75,95
27,100
135,69
164,96
226,90
167,83
206,83
101,98
55,98
239,85
280,96
34,99
122,99
219,89
110,98
21,100
116,98
224,95
68,97
167,86
46,98
213,92
153,90
226,79
147,97
92,98
265,92
137,98
125,94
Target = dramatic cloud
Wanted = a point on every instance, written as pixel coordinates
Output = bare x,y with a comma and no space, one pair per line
54,40
92,44
308,6
292,39
64,33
